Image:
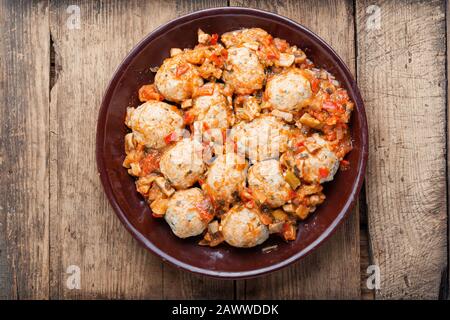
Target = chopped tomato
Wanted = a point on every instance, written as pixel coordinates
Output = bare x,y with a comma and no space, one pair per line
331,136
206,90
281,44
240,99
214,38
299,147
148,92
340,96
205,209
314,82
272,54
224,53
344,165
292,195
188,118
217,60
149,163
171,137
288,232
250,204
324,172
265,219
154,215
314,85
246,194
332,120
330,106
267,40
182,69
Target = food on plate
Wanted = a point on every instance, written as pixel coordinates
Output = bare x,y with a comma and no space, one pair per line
236,138
289,90
242,227
183,214
152,121
243,71
177,79
265,179
225,178
262,138
182,164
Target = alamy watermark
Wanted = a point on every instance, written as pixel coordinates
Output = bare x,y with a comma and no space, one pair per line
74,20
373,282
373,21
74,279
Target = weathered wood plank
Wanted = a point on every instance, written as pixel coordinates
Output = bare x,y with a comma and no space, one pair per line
84,230
364,252
401,72
332,271
445,292
24,143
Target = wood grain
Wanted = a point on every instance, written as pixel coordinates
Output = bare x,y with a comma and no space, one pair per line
84,229
445,287
332,271
401,72
24,143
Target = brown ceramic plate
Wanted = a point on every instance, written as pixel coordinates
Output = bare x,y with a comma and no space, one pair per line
223,261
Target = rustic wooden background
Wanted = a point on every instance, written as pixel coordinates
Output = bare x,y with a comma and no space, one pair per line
53,212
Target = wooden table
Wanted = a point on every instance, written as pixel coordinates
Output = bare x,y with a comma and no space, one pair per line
53,213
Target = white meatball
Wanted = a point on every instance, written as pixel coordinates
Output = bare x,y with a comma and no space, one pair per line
183,164
267,178
319,165
152,121
226,178
243,72
242,227
213,111
182,214
263,138
179,87
252,36
288,90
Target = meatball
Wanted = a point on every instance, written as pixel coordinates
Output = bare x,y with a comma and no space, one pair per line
252,35
183,164
183,215
288,90
226,178
243,71
317,164
263,138
152,121
176,79
242,227
266,177
213,111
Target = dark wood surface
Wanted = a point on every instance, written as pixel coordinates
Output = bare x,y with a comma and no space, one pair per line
53,213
